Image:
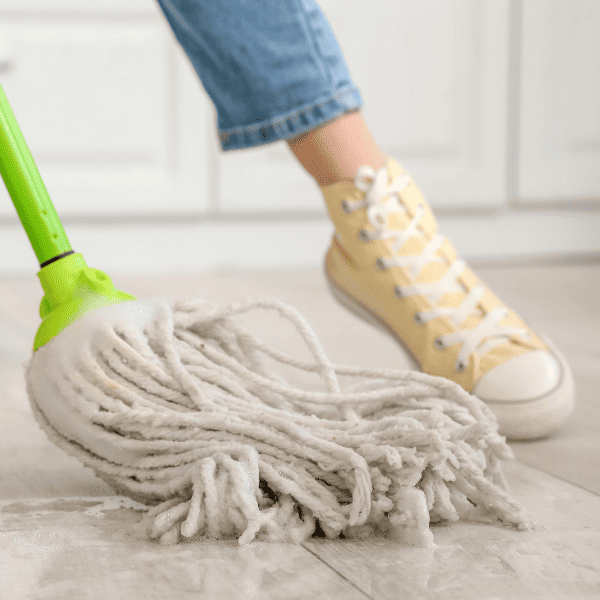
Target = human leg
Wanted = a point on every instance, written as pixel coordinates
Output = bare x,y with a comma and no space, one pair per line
334,151
275,71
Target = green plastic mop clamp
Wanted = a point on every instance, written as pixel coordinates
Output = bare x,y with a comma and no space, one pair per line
71,290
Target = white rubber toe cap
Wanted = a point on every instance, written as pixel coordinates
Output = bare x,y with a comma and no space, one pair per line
532,395
524,377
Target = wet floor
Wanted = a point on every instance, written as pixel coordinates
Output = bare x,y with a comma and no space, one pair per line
64,534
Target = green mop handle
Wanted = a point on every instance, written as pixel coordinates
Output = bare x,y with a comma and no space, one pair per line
71,287
28,192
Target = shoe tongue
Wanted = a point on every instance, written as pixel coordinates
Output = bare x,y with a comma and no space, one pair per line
417,244
400,219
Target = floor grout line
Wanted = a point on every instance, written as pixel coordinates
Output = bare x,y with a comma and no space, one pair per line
336,571
577,485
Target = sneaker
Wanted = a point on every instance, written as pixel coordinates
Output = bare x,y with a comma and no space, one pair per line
389,265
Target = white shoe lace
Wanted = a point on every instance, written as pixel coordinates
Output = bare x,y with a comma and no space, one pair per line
382,200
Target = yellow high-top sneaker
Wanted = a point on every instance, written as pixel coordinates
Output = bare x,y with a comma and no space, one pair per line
389,265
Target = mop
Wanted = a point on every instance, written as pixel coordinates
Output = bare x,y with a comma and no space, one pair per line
174,404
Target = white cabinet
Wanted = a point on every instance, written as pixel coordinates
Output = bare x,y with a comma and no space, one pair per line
492,105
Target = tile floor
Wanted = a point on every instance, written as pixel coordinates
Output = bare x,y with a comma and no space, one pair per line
64,535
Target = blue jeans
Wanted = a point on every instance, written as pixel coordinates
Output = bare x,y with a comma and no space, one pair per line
272,68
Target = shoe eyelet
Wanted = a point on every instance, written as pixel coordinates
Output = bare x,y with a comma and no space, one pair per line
460,367
398,292
417,319
439,344
380,264
346,207
363,235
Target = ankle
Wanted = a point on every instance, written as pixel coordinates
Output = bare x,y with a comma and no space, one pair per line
334,152
348,168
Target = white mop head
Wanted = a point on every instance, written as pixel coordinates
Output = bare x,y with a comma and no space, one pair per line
172,403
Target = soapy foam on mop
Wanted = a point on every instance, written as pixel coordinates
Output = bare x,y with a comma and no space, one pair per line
172,404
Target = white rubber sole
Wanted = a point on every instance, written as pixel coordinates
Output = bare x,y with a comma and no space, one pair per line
527,420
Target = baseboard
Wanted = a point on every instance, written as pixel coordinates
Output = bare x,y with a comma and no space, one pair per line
207,245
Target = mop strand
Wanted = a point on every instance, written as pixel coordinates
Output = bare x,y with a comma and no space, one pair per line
173,404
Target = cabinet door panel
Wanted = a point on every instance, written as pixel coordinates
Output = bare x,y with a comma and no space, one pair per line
103,103
560,94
